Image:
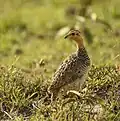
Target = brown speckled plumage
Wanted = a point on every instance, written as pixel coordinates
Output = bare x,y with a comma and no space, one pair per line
72,71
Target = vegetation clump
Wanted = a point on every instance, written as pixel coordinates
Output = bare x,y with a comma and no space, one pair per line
26,95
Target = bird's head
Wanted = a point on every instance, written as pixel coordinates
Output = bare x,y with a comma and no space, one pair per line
76,36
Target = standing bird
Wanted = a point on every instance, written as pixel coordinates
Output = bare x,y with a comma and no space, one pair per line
72,72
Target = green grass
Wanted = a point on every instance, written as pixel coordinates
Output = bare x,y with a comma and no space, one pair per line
31,49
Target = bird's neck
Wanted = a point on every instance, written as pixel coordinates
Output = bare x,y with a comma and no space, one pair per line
83,56
82,53
79,43
81,50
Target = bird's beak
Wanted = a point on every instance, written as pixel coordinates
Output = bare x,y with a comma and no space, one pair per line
66,36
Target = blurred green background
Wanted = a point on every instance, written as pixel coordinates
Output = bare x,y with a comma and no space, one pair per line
34,30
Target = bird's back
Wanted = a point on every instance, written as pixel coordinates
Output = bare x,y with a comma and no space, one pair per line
73,68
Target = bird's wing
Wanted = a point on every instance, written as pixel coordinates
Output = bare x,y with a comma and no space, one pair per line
67,72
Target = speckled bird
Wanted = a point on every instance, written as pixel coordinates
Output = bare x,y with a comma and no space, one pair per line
72,72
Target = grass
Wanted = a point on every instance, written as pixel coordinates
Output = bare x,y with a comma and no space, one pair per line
32,47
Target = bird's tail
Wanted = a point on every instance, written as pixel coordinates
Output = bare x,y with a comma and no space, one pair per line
54,96
53,92
50,90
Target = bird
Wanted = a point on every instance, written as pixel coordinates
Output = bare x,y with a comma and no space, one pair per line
72,72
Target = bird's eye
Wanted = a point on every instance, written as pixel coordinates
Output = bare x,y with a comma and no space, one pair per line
73,34
77,34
